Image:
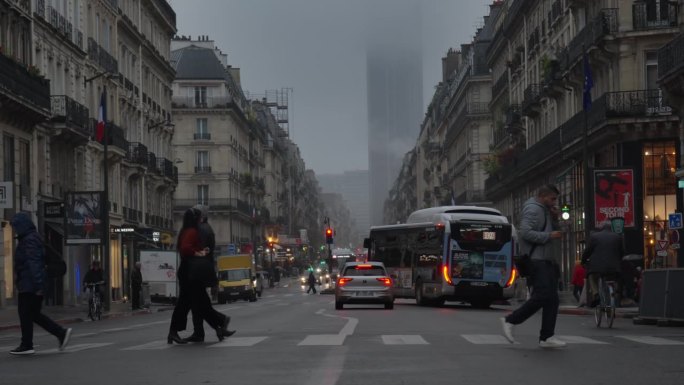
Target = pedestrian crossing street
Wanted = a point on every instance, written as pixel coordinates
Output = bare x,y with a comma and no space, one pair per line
342,339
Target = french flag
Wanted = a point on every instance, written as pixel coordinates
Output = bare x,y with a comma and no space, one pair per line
101,118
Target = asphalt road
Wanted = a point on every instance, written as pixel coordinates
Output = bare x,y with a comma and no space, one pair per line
289,337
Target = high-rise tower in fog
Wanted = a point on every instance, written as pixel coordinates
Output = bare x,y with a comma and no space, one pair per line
394,80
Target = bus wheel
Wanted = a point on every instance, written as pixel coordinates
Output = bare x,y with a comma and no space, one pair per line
481,304
420,299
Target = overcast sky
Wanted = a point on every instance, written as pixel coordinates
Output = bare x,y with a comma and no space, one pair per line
317,48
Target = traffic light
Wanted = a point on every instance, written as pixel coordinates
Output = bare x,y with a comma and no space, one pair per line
329,236
565,212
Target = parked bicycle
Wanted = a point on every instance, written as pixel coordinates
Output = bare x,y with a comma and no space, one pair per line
606,289
94,300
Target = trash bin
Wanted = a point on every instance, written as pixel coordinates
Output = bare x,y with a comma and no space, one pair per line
145,295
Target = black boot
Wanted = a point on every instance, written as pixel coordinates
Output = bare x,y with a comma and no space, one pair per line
222,330
194,338
174,337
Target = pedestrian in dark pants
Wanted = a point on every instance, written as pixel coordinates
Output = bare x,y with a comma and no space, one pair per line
29,270
207,240
537,237
312,283
192,294
136,286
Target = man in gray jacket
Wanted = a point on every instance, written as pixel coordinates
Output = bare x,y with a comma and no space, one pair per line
536,237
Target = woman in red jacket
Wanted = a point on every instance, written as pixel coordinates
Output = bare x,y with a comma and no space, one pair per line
578,280
192,294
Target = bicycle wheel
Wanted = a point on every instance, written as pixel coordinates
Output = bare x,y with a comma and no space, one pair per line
91,310
98,310
600,308
610,309
598,315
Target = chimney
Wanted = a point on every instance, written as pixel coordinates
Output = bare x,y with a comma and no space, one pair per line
450,63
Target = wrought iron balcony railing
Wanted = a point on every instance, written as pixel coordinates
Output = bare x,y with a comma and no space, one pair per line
69,111
531,98
202,136
17,81
151,162
513,114
500,84
204,102
137,153
654,15
671,57
100,56
202,169
606,23
165,167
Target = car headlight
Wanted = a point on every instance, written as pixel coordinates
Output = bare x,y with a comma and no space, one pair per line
254,282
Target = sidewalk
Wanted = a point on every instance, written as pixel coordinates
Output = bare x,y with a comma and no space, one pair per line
9,317
568,305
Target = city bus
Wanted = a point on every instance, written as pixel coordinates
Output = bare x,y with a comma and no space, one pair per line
448,253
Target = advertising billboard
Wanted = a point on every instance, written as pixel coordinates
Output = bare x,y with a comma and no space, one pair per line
614,195
83,222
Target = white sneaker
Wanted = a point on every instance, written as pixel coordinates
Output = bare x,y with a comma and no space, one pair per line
552,343
507,330
64,341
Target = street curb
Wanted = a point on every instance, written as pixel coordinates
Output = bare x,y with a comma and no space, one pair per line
584,311
68,321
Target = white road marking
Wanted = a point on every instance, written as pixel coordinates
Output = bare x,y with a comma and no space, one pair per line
80,335
652,340
154,345
77,348
323,339
114,330
238,341
486,339
403,340
581,340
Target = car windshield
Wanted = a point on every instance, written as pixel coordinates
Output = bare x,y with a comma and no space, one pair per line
234,275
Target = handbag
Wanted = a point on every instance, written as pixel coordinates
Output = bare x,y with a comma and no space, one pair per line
201,270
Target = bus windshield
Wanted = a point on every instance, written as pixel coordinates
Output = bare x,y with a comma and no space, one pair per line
480,251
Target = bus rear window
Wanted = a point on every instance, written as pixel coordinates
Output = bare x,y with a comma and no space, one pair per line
478,236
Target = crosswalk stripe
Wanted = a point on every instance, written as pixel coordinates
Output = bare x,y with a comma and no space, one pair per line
403,340
238,341
581,340
323,339
652,340
486,339
79,347
154,345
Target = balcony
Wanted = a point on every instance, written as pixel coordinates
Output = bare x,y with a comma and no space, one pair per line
202,136
513,115
132,215
152,162
605,24
500,84
652,15
165,167
531,100
100,56
137,153
671,65
116,135
202,169
21,86
70,112
206,102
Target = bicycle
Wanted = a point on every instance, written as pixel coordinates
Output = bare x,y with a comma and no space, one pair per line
94,301
606,289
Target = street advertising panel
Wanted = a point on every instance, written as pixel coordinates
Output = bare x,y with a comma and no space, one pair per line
614,195
159,268
83,222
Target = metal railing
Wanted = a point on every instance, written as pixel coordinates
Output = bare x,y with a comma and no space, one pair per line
671,56
654,15
531,97
202,136
69,111
151,161
606,23
205,102
100,56
202,169
500,84
16,80
165,167
137,153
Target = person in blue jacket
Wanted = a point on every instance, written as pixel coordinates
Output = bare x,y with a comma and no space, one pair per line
30,277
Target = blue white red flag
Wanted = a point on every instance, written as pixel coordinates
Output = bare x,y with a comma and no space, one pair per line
101,118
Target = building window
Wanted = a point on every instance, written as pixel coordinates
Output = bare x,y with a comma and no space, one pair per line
25,167
203,194
202,162
200,96
8,158
202,130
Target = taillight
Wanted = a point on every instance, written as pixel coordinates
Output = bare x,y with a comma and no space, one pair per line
512,277
445,273
343,281
363,267
385,281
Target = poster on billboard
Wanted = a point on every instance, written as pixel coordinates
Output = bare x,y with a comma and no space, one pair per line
83,222
614,195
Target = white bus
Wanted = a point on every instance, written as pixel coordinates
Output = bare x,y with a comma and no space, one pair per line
448,253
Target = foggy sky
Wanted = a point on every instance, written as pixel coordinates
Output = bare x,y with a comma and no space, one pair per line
317,48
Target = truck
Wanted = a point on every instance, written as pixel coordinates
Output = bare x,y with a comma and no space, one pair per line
237,278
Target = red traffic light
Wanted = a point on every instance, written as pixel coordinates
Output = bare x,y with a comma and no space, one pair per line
328,232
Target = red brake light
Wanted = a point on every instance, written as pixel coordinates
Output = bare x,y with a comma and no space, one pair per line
361,267
445,273
385,281
343,281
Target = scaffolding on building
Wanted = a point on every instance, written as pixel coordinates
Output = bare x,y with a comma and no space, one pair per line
278,101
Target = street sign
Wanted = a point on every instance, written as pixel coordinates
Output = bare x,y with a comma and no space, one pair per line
231,248
674,237
661,245
675,220
661,253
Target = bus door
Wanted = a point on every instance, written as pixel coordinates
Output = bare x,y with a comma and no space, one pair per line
481,252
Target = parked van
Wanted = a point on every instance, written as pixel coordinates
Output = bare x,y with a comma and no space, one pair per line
237,278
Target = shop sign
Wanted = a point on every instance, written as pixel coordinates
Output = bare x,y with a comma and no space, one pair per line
53,209
614,195
6,195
